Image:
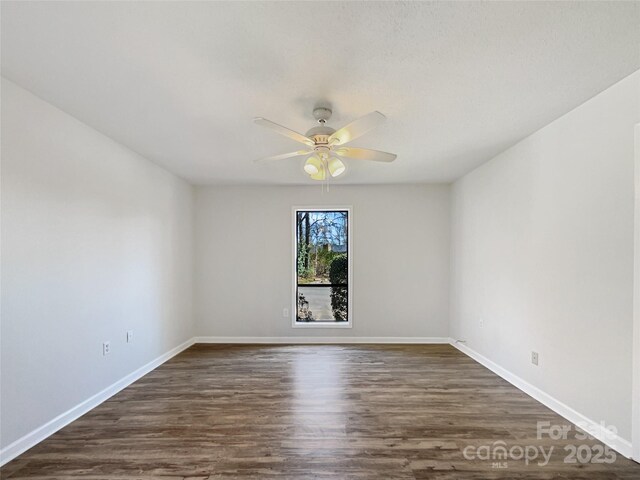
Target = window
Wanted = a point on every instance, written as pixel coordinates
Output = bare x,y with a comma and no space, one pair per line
322,267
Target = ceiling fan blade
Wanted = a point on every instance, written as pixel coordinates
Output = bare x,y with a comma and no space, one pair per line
299,153
356,128
298,137
365,154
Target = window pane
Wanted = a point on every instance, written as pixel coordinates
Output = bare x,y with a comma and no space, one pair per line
322,304
321,238
322,263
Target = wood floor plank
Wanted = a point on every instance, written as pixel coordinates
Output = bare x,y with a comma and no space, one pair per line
310,412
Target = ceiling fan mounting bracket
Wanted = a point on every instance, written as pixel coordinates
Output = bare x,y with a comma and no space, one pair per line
322,114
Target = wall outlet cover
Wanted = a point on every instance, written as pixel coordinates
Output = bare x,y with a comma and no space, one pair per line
534,358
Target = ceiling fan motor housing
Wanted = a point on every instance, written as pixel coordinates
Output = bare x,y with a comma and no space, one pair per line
320,134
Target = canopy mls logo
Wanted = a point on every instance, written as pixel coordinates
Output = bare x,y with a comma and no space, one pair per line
499,452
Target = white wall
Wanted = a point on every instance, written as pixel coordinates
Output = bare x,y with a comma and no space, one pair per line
95,241
542,251
400,259
636,307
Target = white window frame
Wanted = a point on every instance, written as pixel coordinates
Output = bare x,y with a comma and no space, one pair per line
294,267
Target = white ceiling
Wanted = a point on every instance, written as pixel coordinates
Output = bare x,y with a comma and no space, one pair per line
180,82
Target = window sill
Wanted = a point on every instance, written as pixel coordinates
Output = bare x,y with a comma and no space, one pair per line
321,324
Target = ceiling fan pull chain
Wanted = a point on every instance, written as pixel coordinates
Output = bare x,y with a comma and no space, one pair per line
326,173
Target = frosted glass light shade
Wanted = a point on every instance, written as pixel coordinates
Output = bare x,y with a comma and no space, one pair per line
313,165
336,167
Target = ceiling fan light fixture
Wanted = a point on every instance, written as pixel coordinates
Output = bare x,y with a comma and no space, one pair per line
320,175
313,165
336,167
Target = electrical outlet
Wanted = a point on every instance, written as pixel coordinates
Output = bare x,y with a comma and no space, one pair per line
481,322
129,336
534,358
285,312
106,348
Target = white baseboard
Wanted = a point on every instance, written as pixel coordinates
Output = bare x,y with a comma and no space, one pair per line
321,340
34,437
595,429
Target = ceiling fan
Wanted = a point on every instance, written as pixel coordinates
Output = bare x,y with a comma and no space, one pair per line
324,145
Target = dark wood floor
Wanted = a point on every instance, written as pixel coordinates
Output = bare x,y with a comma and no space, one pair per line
314,411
